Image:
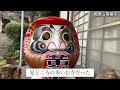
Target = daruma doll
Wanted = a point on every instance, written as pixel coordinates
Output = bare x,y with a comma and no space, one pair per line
51,43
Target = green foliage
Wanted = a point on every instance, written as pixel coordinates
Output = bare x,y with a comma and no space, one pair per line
48,13
10,50
40,14
1,58
13,30
23,63
17,54
14,45
2,63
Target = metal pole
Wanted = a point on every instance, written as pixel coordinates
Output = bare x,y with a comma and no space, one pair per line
21,40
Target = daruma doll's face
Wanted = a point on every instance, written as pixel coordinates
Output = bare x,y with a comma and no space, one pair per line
51,42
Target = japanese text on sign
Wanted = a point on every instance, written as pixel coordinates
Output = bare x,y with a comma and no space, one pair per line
60,72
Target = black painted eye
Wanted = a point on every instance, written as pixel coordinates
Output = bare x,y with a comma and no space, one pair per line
38,32
46,36
66,37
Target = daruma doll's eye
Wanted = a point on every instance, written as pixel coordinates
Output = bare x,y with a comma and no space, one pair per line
46,36
66,37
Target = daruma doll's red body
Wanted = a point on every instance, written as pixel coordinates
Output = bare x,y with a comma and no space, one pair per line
51,42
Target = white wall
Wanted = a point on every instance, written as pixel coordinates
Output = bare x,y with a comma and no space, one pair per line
63,14
70,15
0,24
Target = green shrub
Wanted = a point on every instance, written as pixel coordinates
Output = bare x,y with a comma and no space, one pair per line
40,14
49,13
14,45
13,30
11,49
17,54
23,63
1,58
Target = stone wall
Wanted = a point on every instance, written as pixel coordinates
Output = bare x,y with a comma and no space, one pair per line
4,40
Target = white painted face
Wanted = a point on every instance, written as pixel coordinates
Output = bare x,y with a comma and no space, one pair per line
51,38
57,43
